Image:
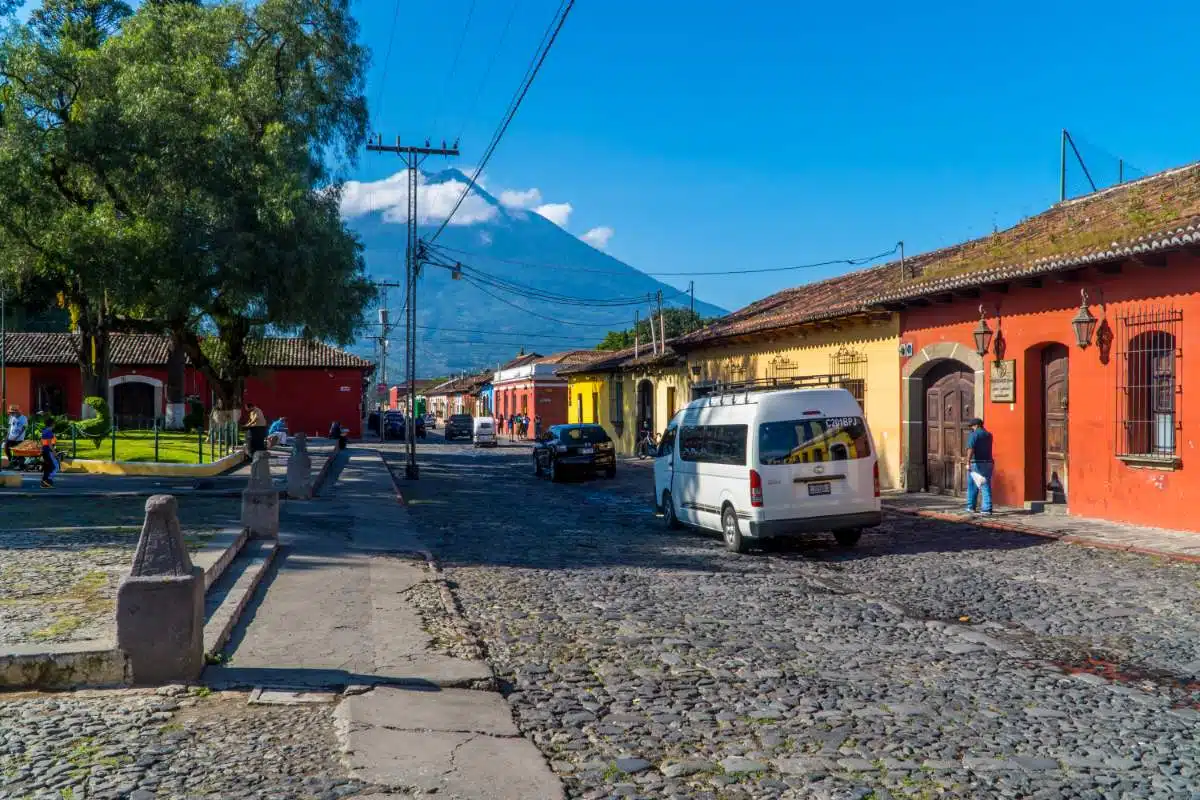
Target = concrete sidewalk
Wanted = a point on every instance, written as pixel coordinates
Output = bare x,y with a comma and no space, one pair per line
1177,545
339,613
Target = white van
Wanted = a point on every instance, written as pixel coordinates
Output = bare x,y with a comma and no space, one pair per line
769,464
485,432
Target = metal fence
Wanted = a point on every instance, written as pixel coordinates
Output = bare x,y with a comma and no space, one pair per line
148,439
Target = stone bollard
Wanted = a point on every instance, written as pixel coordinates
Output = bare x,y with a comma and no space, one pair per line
299,470
260,500
160,603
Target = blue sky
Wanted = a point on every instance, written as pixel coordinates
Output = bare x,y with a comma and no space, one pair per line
713,135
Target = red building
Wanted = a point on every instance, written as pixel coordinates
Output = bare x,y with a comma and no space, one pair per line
310,383
530,384
1077,366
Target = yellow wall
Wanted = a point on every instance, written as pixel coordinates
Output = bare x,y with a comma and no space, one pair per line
585,387
810,353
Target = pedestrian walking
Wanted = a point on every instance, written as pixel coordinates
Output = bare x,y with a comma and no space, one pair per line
980,467
500,426
17,423
512,427
49,458
537,426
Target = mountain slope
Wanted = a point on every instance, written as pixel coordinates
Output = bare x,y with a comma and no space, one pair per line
470,323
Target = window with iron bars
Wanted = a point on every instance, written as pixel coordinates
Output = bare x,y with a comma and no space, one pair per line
851,366
782,367
1150,346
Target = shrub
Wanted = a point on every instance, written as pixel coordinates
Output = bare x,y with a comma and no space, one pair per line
98,426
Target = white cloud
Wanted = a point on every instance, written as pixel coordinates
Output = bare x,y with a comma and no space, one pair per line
598,237
558,213
434,202
485,238
515,198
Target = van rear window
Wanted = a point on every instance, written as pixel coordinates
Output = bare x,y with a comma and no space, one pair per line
804,441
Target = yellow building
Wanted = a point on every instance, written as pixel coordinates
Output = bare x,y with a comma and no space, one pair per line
625,393
822,331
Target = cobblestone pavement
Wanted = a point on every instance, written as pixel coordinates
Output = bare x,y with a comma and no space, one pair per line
61,559
169,744
935,660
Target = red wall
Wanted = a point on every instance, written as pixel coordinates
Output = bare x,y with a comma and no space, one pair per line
1099,484
310,398
548,402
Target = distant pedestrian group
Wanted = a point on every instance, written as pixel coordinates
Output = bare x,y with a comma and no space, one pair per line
518,426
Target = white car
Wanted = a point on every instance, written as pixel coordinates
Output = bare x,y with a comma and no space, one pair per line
430,421
485,432
769,464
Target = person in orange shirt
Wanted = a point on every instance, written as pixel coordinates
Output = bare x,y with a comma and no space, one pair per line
49,459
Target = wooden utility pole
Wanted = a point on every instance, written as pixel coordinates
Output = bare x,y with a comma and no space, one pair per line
414,252
636,321
662,328
653,343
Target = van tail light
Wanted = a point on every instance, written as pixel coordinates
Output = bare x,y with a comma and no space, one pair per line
755,489
877,479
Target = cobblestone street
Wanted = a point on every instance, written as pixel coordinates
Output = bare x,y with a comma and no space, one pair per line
936,659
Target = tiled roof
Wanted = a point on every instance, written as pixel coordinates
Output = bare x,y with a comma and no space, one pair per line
567,358
1145,217
616,360
521,360
834,297
151,350
469,384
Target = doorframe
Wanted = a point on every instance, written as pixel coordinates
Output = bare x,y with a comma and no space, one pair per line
912,404
154,383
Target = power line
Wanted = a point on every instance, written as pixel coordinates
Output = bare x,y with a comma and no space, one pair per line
564,10
387,58
453,66
487,73
854,262
482,288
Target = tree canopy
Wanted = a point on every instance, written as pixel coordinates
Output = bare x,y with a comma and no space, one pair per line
676,321
169,170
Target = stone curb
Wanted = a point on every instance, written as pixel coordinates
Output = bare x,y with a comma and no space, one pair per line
323,473
1060,536
214,571
218,627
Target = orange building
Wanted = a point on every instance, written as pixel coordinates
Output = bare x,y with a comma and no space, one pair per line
1065,334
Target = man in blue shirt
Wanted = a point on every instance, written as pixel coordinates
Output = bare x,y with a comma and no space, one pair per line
979,475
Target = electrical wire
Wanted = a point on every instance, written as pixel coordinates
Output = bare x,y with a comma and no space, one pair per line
606,325
387,58
453,67
487,73
530,75
854,262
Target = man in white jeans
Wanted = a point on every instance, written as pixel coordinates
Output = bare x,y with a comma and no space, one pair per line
17,423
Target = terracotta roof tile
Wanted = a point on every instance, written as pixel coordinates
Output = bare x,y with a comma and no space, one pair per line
150,350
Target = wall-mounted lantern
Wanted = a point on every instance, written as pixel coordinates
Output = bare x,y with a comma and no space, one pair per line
982,334
1083,322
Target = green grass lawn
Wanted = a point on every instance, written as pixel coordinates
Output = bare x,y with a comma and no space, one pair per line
173,447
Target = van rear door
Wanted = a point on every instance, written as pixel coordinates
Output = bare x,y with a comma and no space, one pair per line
816,466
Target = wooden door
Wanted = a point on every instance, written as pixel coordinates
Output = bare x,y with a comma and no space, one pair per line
1054,429
949,404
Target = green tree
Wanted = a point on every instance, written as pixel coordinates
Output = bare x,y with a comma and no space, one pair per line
167,169
676,321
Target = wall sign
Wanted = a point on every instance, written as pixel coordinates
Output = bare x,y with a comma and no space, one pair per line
1004,382
343,388
906,349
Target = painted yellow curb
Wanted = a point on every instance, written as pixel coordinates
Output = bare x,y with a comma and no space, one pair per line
154,468
10,480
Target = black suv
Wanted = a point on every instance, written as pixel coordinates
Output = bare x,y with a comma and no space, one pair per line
460,425
585,449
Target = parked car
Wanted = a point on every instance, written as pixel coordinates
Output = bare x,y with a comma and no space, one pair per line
583,449
485,432
460,426
773,464
431,421
395,426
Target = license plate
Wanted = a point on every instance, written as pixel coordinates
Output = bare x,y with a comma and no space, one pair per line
820,488
587,451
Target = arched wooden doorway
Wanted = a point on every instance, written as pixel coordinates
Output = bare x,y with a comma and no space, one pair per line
1054,421
133,404
949,405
